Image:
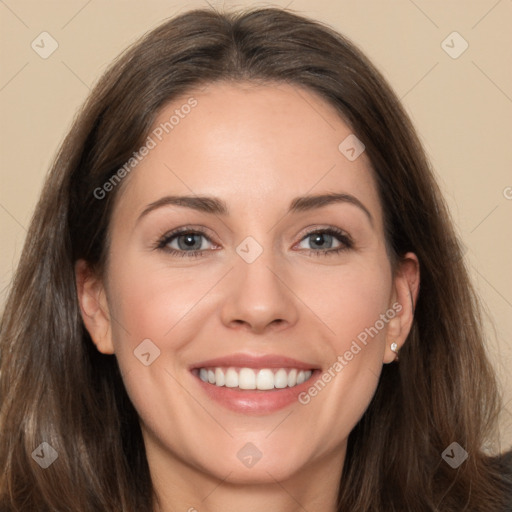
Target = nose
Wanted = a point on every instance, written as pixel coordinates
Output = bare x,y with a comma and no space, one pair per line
259,297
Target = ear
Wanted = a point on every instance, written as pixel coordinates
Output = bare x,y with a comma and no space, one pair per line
94,307
407,285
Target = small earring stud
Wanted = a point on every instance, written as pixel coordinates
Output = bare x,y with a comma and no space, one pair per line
394,348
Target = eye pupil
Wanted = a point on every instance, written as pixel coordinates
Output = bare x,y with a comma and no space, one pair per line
189,241
321,240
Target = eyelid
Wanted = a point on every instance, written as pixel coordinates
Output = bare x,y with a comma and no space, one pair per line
311,230
164,239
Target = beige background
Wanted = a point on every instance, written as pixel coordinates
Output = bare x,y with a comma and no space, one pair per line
461,107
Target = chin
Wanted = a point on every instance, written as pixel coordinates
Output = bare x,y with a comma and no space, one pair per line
266,470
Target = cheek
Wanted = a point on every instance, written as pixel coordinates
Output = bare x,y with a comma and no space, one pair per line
351,300
150,301
355,305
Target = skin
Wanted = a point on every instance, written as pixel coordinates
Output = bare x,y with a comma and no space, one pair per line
256,147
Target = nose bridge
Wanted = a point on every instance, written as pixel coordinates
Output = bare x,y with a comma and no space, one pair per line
258,295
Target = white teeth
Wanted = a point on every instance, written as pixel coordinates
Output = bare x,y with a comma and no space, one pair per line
292,378
249,378
280,379
220,380
265,379
231,378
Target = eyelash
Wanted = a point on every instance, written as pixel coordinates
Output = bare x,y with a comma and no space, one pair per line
340,235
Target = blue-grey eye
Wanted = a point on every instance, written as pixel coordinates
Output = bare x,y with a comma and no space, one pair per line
320,240
187,242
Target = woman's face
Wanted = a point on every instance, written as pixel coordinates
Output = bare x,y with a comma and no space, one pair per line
247,250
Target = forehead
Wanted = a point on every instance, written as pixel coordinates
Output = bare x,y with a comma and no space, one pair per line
252,145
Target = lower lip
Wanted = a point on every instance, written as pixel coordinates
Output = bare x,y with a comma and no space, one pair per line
255,401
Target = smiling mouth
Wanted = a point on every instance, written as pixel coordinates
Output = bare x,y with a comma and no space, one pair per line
263,379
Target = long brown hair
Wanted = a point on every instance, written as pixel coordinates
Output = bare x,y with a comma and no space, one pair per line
57,388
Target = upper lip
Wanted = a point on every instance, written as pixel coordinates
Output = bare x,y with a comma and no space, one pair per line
251,361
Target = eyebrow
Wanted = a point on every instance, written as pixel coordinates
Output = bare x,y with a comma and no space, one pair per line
216,206
306,203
